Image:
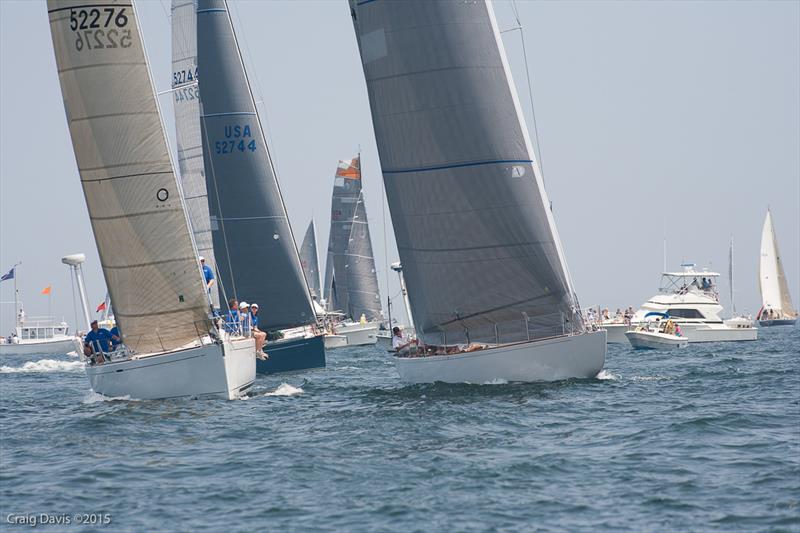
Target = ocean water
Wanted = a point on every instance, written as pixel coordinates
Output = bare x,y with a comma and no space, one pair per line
704,438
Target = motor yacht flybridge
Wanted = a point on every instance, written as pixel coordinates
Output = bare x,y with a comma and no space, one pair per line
691,299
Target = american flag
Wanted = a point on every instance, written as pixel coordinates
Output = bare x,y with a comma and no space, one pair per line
9,275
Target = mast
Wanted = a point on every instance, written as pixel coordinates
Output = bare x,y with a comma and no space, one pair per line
730,275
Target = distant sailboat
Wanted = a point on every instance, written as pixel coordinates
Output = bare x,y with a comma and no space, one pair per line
257,258
138,216
310,261
776,302
351,282
487,279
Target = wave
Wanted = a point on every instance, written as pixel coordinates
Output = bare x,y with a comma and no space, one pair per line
606,375
96,397
284,389
496,381
43,365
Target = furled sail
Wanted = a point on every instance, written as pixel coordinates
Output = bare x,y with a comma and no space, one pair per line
186,103
474,231
351,283
257,259
310,260
774,288
136,210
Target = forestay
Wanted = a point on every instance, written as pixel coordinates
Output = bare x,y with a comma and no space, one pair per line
186,103
774,288
310,260
257,259
135,207
472,222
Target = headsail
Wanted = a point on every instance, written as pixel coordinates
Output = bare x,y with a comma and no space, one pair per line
186,103
136,210
774,288
351,283
472,221
310,261
257,258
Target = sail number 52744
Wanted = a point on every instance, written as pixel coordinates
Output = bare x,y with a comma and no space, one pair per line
100,27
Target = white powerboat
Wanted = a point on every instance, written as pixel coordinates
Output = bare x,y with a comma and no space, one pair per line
657,336
691,300
38,336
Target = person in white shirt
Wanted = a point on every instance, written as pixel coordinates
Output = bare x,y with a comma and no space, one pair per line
398,340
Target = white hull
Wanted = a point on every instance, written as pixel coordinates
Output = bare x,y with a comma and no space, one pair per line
694,332
577,356
211,370
335,341
652,340
43,347
359,334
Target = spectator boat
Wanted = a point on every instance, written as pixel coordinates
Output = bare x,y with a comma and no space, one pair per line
776,302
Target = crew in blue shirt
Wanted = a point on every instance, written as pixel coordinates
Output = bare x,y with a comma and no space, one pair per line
233,320
116,338
208,273
96,342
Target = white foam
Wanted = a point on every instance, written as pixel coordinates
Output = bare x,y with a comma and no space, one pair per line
284,389
94,397
496,381
44,365
605,374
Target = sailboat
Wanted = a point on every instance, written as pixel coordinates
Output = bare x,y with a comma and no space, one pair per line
138,216
310,260
488,283
776,302
255,250
351,282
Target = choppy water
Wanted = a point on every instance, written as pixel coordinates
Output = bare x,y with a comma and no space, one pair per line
702,438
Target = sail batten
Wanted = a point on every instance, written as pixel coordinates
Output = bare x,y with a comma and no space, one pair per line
474,231
138,218
257,258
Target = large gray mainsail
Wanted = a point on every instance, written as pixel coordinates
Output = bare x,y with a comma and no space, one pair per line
186,104
310,260
132,194
257,259
351,284
474,231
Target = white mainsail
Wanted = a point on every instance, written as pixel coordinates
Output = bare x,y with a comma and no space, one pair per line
132,194
186,103
774,289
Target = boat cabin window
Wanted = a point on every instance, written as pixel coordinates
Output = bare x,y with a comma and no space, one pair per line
685,313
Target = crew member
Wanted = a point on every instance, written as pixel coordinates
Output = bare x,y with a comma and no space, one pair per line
208,273
96,342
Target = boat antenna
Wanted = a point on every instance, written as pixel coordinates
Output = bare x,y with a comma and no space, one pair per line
730,275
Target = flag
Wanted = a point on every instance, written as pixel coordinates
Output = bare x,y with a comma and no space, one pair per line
47,290
9,275
101,307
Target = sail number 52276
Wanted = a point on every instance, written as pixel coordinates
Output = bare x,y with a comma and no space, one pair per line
100,27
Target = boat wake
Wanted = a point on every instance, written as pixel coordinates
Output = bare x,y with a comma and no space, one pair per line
95,397
284,389
606,375
42,366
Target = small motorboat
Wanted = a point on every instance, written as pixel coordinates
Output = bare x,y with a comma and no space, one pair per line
657,335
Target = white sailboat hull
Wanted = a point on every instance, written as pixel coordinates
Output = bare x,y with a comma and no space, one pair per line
577,356
212,370
359,334
40,347
652,340
335,341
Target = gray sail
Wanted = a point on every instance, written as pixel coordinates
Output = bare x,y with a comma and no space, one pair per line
474,231
132,194
310,261
351,284
186,104
256,255
362,281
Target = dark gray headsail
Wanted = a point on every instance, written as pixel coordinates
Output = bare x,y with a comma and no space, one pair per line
186,103
474,231
257,259
310,261
349,248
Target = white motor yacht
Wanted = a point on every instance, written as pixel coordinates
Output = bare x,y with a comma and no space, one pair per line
38,336
691,299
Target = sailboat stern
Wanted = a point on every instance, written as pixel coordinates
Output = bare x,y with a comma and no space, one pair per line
553,359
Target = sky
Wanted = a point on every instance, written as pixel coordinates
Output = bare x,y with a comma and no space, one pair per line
657,121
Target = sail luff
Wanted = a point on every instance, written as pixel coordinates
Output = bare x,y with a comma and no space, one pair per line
472,221
257,257
132,194
186,106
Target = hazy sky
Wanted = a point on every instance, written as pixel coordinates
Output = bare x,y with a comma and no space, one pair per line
676,119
